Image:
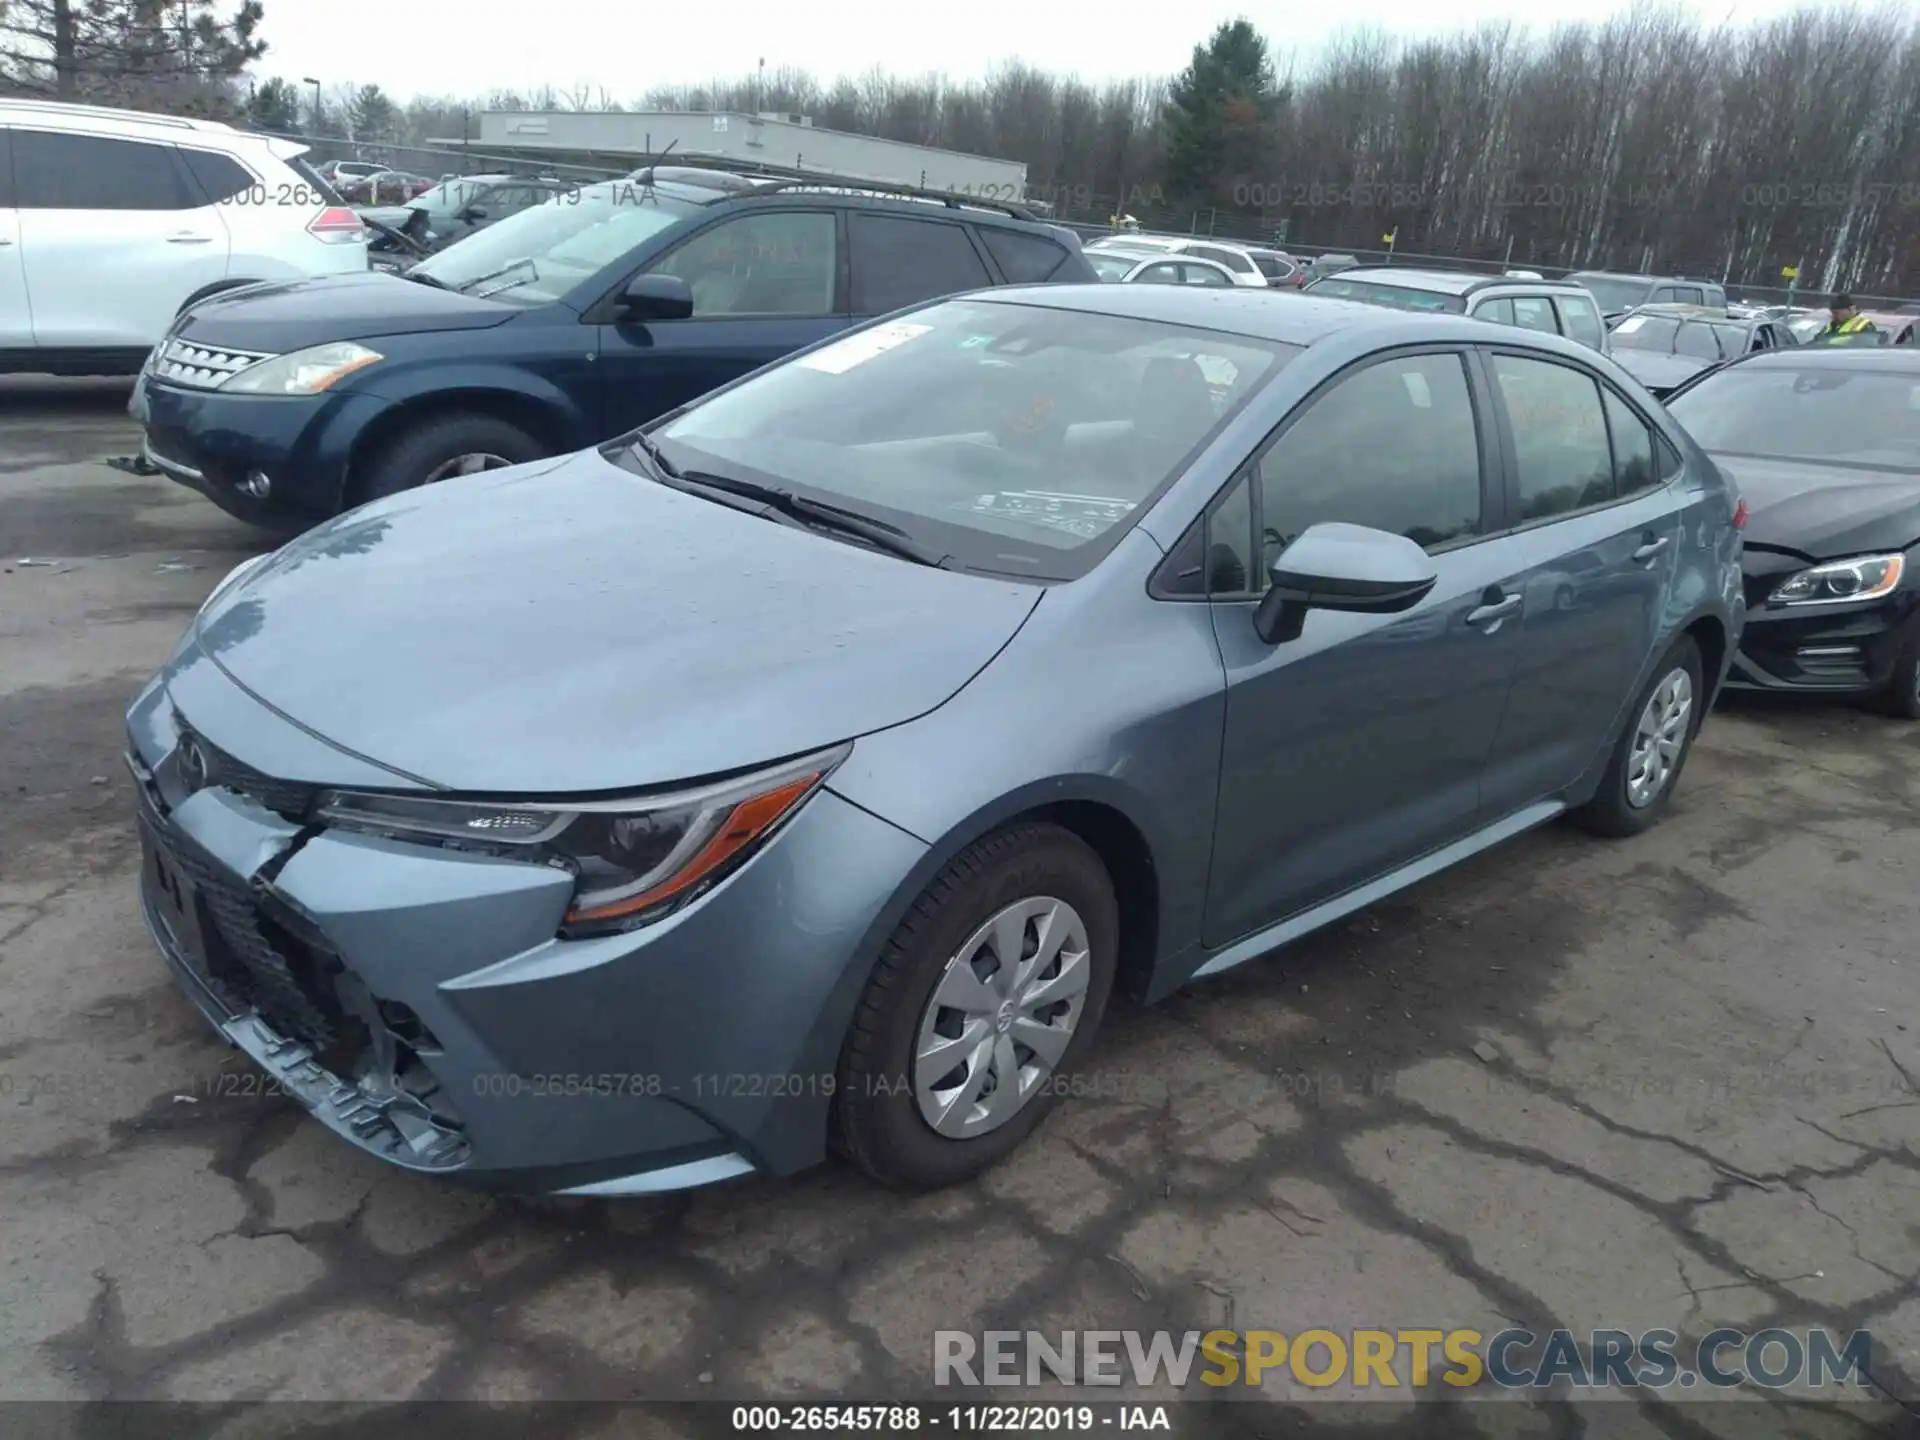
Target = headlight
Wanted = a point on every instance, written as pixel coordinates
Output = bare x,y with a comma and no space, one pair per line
304,372
1867,578
633,860
234,577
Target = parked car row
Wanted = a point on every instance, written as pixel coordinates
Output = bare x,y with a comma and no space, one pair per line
545,331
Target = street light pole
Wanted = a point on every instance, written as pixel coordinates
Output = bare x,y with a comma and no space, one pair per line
309,80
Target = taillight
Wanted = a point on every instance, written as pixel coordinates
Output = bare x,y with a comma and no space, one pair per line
337,225
1740,516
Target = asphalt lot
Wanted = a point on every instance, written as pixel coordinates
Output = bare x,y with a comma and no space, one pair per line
1702,1105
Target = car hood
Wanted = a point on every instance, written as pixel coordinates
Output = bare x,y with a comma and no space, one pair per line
291,315
1654,370
1821,511
573,627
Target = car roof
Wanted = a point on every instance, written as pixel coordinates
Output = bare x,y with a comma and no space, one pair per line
1446,282
1839,357
1254,313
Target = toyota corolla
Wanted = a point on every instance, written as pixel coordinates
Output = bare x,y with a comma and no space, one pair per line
806,771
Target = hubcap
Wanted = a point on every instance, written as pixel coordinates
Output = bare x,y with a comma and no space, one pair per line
466,465
1660,738
1001,1016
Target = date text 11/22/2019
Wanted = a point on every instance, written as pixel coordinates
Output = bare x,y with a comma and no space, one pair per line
1026,1420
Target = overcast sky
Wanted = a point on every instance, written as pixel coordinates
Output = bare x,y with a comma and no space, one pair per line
467,47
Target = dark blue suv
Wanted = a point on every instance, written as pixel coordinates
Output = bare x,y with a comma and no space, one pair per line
550,331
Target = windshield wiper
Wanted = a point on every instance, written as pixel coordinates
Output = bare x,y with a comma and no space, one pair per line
523,263
421,278
821,515
803,510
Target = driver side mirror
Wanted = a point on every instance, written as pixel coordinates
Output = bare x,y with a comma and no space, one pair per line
474,214
1352,568
657,297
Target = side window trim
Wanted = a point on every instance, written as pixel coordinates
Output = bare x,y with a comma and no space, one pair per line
6,167
1511,488
192,181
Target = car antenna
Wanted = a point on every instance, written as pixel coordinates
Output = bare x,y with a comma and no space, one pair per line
646,190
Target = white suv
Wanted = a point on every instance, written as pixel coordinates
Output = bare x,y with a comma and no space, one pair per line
1238,261
112,222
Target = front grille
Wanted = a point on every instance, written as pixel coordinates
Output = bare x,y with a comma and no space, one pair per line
289,798
201,367
262,967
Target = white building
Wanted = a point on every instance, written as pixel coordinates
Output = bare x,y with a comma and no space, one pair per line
613,139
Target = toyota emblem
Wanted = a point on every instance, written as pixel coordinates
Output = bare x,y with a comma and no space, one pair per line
192,764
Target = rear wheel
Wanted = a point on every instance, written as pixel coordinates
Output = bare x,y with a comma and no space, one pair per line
446,447
985,997
1647,759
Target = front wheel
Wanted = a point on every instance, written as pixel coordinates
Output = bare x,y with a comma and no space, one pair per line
1901,698
982,1002
1647,759
445,448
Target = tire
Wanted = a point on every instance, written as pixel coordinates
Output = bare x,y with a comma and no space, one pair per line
1901,698
879,1122
1612,811
419,452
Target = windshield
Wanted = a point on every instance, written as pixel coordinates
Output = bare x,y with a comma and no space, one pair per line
1866,417
1109,266
1646,332
1015,438
1394,297
1613,293
558,244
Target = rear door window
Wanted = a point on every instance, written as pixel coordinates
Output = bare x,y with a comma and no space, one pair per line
1581,321
1535,312
900,261
1634,465
1560,441
1499,311
1203,275
219,177
1023,259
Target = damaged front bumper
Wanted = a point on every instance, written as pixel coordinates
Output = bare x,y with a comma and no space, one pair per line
417,1001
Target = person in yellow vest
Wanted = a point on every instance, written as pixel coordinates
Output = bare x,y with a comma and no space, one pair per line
1848,326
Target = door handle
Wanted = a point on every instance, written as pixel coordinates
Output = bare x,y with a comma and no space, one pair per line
1494,611
188,237
1652,548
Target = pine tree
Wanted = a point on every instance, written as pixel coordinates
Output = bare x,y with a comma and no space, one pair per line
1218,110
371,117
180,54
274,108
